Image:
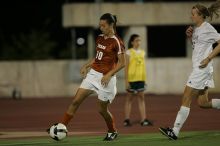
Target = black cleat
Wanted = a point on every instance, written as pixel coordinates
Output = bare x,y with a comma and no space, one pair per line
127,123
48,130
111,136
168,132
146,122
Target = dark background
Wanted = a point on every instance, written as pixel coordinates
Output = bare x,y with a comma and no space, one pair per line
32,29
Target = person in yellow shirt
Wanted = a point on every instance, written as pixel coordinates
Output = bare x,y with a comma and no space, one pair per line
135,78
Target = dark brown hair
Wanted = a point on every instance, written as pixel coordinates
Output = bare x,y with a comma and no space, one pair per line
132,38
210,11
110,19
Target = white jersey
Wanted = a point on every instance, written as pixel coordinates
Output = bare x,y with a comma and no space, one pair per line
203,38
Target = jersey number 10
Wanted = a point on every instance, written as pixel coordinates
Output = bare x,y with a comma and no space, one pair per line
99,55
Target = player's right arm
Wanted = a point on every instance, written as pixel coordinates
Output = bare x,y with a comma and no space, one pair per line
85,68
189,32
214,53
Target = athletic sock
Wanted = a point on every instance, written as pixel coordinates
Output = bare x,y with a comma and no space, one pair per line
66,118
216,103
180,119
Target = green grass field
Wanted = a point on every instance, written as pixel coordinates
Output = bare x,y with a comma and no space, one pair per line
208,138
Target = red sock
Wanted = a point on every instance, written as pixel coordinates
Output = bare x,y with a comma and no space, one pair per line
66,118
111,124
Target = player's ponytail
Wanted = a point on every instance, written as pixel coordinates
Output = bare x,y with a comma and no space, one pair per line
115,21
210,11
214,9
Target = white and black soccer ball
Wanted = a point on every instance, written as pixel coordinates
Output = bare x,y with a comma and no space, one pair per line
58,131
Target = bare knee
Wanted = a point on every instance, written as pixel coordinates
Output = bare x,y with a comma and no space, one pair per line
73,106
141,97
103,109
186,101
203,104
105,114
129,98
203,100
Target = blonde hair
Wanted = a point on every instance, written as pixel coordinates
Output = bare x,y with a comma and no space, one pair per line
212,10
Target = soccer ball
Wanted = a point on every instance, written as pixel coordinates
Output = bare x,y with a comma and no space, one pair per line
58,131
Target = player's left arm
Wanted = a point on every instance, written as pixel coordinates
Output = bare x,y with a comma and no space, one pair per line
212,55
120,64
189,33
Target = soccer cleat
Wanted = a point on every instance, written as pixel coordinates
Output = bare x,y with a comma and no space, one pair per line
48,130
146,122
168,132
111,136
127,123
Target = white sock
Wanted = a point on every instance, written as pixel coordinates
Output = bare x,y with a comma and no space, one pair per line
180,119
216,103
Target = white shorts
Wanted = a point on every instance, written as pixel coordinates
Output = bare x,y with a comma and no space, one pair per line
201,78
93,82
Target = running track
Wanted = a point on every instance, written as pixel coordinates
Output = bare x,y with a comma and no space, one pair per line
37,114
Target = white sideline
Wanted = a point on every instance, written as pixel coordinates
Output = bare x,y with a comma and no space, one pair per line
39,134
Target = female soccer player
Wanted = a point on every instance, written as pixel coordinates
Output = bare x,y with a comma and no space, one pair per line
99,74
203,36
135,77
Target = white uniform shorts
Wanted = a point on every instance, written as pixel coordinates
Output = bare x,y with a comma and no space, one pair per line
201,78
93,82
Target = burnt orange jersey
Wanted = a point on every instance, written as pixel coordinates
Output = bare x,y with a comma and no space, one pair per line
107,50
